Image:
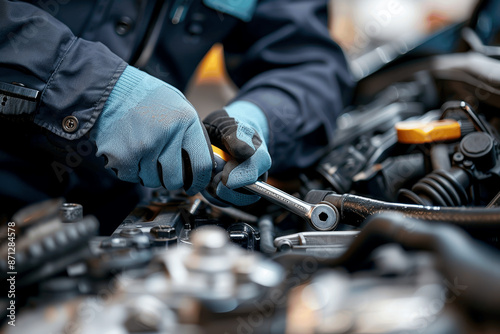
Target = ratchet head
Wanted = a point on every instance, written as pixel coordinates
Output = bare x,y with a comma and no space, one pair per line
323,217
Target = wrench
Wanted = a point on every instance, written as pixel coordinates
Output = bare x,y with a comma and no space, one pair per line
321,216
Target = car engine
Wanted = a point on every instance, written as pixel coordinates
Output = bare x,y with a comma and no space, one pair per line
412,181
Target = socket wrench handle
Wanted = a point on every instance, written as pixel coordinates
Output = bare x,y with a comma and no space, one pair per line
322,216
281,198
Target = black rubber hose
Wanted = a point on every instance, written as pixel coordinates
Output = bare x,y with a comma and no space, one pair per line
266,228
471,269
440,158
354,210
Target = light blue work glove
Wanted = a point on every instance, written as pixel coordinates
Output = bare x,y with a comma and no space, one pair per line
240,129
150,133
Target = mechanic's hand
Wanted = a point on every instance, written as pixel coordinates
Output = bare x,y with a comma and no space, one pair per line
242,130
145,131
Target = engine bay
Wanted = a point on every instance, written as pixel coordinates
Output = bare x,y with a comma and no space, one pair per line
413,179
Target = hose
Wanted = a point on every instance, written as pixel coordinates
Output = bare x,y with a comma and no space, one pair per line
470,267
354,210
266,228
441,188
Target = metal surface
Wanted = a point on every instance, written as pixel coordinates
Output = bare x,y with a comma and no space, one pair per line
322,217
318,239
71,212
352,304
44,245
321,244
178,264
211,269
163,231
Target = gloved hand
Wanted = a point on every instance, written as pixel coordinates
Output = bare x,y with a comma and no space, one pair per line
241,130
148,130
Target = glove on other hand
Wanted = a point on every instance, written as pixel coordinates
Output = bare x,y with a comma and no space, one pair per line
241,130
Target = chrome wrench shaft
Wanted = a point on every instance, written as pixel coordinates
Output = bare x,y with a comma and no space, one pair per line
322,217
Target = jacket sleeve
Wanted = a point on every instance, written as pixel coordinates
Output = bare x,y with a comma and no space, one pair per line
285,62
73,76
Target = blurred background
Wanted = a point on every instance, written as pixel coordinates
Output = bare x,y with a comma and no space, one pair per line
362,25
359,26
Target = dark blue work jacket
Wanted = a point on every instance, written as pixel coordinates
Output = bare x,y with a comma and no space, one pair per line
68,54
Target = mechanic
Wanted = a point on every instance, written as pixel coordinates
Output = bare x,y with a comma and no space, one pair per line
85,84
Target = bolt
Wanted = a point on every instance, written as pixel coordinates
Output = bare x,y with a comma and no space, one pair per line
209,240
130,232
285,245
115,243
163,231
71,212
458,157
